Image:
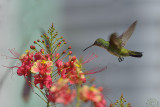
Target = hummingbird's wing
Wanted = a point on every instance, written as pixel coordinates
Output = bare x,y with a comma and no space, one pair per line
127,34
115,41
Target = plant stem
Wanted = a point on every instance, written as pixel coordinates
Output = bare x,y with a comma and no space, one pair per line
78,95
48,104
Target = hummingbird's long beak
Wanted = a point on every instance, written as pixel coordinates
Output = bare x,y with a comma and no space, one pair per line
88,47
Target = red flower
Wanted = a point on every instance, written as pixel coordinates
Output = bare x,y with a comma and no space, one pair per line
102,102
43,80
59,63
26,60
92,94
42,66
38,56
24,69
71,70
61,93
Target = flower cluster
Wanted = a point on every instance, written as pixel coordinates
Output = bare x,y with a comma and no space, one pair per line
93,94
71,70
61,93
27,62
53,77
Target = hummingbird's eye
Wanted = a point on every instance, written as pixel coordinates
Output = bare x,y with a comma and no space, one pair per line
95,42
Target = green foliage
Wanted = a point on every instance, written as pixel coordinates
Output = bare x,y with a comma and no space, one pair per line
120,103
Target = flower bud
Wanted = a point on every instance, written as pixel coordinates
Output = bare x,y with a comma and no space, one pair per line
111,105
32,47
42,50
70,52
66,64
74,58
35,42
52,25
64,51
71,63
57,55
100,88
59,43
69,47
47,37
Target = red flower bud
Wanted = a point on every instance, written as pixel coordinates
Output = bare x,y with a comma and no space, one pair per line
35,42
100,88
72,63
111,105
38,40
69,47
74,58
70,52
43,41
42,50
66,64
54,36
64,51
47,37
32,47
57,55
47,46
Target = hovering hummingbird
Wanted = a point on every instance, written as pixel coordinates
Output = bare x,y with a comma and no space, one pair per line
116,44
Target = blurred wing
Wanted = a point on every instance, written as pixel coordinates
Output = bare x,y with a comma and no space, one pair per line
126,35
115,41
27,89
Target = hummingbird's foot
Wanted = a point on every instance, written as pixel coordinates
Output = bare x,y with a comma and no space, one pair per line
120,59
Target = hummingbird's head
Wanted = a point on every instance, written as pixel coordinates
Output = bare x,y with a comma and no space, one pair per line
98,42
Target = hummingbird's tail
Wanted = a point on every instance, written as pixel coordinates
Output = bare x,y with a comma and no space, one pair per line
135,54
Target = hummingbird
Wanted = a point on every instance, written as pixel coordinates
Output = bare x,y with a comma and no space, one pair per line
116,44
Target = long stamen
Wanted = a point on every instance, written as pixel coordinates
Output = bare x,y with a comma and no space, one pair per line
90,58
90,72
10,67
14,53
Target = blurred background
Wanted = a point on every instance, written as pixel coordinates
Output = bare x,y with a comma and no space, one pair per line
81,22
